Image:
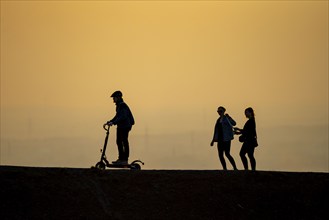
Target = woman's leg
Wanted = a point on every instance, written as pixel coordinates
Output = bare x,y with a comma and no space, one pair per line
243,152
221,155
252,158
227,149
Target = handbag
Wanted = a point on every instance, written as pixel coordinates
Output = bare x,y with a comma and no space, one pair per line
242,138
253,142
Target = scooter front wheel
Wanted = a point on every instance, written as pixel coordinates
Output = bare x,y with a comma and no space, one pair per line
100,165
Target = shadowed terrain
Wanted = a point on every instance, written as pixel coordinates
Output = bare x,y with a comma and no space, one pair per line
67,193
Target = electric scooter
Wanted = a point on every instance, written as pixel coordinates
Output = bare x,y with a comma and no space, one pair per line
103,163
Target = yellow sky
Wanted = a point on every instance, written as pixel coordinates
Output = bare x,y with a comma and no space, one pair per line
175,62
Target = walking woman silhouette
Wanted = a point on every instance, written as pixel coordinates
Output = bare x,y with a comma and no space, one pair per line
249,139
223,134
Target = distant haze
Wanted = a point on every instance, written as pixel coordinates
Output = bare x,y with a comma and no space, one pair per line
175,62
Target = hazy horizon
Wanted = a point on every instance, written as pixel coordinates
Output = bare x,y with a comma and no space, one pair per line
189,150
175,62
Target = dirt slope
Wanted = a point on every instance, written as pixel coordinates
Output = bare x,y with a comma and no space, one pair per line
64,193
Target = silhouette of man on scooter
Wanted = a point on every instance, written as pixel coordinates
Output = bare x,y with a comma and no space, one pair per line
124,120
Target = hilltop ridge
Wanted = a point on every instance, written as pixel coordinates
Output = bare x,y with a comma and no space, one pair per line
70,193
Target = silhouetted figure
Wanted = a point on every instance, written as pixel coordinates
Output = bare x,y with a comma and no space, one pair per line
249,139
124,121
223,134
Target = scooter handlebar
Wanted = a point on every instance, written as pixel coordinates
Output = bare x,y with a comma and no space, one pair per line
106,127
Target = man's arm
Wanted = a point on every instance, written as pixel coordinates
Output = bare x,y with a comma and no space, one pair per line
122,114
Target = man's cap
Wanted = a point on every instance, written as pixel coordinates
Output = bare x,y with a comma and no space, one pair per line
117,94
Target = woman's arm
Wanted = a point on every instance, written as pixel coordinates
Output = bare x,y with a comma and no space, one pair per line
231,120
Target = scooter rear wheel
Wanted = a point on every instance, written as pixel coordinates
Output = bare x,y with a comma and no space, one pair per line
100,165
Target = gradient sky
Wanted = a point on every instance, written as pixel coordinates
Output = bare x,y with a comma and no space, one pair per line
175,62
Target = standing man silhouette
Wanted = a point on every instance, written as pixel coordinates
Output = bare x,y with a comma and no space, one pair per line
124,120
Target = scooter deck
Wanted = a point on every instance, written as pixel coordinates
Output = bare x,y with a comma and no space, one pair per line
111,165
134,165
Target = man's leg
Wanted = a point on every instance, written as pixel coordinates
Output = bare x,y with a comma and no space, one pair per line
120,138
125,142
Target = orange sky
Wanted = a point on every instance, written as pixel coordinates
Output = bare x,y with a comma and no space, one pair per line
175,62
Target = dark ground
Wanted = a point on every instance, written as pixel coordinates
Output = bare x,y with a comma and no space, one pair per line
66,193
